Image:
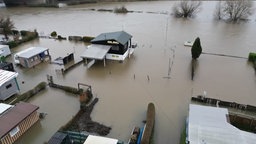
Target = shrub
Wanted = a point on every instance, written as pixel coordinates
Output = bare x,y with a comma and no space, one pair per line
61,38
235,10
24,32
15,32
75,38
120,10
12,44
252,57
186,8
27,95
54,34
105,10
196,49
87,38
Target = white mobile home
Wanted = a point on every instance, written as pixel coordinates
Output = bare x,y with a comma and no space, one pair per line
31,56
4,50
8,84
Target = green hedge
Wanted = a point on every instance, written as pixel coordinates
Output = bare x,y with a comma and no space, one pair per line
252,57
27,95
121,10
87,38
26,36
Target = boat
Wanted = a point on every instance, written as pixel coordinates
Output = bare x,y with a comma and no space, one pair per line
134,136
188,43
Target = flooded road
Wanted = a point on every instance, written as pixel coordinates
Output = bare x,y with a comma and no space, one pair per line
123,89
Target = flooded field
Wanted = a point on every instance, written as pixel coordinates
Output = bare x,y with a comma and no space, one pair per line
124,89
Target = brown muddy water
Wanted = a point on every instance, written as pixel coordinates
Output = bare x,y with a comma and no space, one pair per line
123,89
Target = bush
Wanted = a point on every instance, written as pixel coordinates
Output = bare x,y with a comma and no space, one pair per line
27,95
196,49
186,8
252,57
26,36
54,34
15,32
120,10
87,38
75,38
12,44
24,32
61,38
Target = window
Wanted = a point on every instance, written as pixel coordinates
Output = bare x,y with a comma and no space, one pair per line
8,86
32,59
14,131
115,48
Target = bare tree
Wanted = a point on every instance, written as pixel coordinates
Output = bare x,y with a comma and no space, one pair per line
218,13
235,10
6,26
186,8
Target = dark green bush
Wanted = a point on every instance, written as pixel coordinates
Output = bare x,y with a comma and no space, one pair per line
15,32
120,10
30,93
87,38
105,10
24,32
12,44
252,57
196,49
54,34
61,38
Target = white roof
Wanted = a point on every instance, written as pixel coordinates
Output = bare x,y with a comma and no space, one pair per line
4,107
208,125
96,51
1,46
6,76
99,140
30,52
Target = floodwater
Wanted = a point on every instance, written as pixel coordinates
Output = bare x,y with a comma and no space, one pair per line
124,89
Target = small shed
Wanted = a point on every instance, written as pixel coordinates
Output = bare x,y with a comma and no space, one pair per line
4,50
16,120
8,84
119,41
31,56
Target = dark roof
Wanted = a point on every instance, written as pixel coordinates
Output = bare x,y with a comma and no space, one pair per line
120,36
57,138
14,116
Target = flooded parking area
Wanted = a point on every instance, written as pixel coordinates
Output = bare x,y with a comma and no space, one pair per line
125,89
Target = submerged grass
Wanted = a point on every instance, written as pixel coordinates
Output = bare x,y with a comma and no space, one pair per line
183,136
